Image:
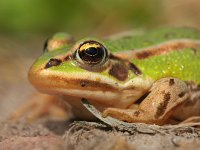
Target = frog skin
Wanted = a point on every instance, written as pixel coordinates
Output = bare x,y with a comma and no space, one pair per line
148,77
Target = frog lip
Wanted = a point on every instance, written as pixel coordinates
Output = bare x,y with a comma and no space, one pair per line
44,79
55,82
99,90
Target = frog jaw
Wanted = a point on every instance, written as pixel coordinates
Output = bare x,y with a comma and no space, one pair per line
90,85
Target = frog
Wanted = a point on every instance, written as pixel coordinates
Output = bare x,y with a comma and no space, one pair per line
151,76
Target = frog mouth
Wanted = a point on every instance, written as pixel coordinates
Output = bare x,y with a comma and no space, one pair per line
103,89
45,79
92,89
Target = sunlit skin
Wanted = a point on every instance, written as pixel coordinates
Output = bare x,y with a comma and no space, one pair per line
147,77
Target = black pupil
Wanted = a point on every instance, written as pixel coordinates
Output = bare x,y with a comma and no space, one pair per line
92,51
92,55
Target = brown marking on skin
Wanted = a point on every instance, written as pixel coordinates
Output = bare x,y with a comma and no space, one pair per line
83,83
119,71
111,56
68,57
136,113
90,84
181,94
171,82
135,69
53,62
132,66
162,106
160,49
70,83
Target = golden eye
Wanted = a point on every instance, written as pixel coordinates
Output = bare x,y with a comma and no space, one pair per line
91,53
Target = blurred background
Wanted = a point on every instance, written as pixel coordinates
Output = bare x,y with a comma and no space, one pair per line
83,17
25,25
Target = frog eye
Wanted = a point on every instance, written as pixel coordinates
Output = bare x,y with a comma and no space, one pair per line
57,41
91,53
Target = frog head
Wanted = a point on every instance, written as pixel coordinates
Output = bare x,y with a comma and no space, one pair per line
86,69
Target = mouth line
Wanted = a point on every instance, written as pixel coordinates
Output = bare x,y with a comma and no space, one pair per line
49,81
45,81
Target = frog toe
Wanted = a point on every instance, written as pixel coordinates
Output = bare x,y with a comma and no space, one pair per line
128,115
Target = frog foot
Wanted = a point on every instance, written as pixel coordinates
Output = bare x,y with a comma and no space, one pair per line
128,115
165,95
40,106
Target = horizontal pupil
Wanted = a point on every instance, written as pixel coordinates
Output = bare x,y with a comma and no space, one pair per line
91,51
92,55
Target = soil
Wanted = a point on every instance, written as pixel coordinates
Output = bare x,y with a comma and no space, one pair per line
82,135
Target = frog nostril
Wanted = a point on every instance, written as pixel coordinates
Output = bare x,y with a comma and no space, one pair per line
53,62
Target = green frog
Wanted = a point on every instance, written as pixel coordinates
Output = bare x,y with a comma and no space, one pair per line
148,76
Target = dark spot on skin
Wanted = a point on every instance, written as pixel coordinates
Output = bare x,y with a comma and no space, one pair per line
83,83
53,62
111,56
171,82
132,67
136,113
144,54
167,97
71,83
68,57
119,71
135,69
181,94
163,105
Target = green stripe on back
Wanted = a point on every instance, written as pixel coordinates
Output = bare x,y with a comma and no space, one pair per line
184,64
150,38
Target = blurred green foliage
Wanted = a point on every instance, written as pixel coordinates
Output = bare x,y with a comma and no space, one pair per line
76,16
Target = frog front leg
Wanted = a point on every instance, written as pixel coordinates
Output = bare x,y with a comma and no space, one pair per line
165,95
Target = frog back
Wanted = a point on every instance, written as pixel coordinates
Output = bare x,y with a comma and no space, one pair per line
183,64
164,52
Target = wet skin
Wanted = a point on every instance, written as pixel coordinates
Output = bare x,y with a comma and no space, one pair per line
144,77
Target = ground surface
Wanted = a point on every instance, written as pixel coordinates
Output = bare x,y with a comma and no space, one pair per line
15,89
91,135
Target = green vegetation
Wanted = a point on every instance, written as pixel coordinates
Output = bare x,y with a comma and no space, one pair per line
76,16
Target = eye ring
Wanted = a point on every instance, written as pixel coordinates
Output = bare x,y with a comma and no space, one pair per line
91,54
